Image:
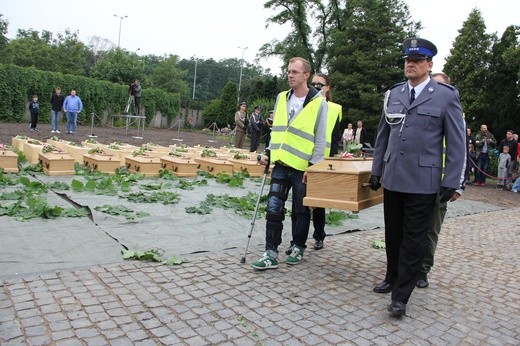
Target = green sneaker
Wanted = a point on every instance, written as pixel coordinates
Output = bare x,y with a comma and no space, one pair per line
296,256
265,262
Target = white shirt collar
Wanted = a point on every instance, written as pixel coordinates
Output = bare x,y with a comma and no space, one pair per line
418,88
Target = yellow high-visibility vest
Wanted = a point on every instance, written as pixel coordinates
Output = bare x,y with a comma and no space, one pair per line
293,143
335,112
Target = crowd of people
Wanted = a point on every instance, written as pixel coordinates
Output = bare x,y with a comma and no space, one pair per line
481,148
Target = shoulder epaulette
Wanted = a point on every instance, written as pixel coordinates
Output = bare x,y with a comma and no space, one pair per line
397,84
449,86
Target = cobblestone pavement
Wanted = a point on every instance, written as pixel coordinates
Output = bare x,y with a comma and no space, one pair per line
473,298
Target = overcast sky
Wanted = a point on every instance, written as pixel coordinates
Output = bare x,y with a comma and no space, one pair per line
216,29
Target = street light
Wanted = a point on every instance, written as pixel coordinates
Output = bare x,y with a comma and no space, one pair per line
240,78
120,22
194,78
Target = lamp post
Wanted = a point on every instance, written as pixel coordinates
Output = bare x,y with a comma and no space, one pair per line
240,78
120,22
194,78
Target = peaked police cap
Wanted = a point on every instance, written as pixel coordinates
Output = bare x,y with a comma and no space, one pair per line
419,48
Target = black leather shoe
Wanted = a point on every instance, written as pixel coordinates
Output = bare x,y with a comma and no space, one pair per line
397,308
318,245
423,281
384,287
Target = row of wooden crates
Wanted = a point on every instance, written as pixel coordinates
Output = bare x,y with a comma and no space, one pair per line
332,183
149,161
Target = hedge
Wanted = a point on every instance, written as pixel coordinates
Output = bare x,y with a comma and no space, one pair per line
18,84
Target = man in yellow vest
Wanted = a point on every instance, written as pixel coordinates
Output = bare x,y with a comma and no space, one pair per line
322,83
298,140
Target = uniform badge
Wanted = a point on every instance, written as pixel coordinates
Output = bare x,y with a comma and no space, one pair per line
413,43
430,90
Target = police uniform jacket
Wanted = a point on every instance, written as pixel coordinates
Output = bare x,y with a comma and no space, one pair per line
408,153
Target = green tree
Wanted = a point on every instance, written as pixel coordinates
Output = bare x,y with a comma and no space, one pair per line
366,56
71,56
30,49
503,89
222,111
118,66
467,66
3,39
168,77
303,41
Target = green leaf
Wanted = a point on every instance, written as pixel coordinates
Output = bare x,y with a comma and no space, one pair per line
77,185
379,244
174,260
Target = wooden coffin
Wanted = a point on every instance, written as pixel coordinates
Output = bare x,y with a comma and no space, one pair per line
17,143
248,166
180,166
76,152
8,161
57,163
60,143
214,165
338,183
92,145
104,163
120,153
149,166
32,152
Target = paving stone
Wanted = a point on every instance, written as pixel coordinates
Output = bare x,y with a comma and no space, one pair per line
10,330
86,333
64,334
40,340
59,326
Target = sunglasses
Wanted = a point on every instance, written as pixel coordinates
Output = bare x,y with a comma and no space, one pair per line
318,85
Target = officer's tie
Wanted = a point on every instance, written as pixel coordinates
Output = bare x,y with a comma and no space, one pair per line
412,95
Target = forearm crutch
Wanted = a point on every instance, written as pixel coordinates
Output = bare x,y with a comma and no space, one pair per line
266,170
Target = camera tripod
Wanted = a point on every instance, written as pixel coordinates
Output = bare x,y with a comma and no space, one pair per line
131,101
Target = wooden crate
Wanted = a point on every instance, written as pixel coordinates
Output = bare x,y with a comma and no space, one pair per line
247,165
59,144
76,152
214,165
121,154
180,166
191,153
338,183
93,145
17,143
55,163
8,161
104,163
147,165
32,152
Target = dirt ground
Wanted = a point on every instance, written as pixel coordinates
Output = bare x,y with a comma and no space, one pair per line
166,137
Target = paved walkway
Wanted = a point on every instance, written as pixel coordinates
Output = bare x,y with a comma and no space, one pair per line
473,299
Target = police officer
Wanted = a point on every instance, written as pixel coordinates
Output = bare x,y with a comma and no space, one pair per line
407,161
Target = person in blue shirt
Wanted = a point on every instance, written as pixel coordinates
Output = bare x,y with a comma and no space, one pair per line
72,106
